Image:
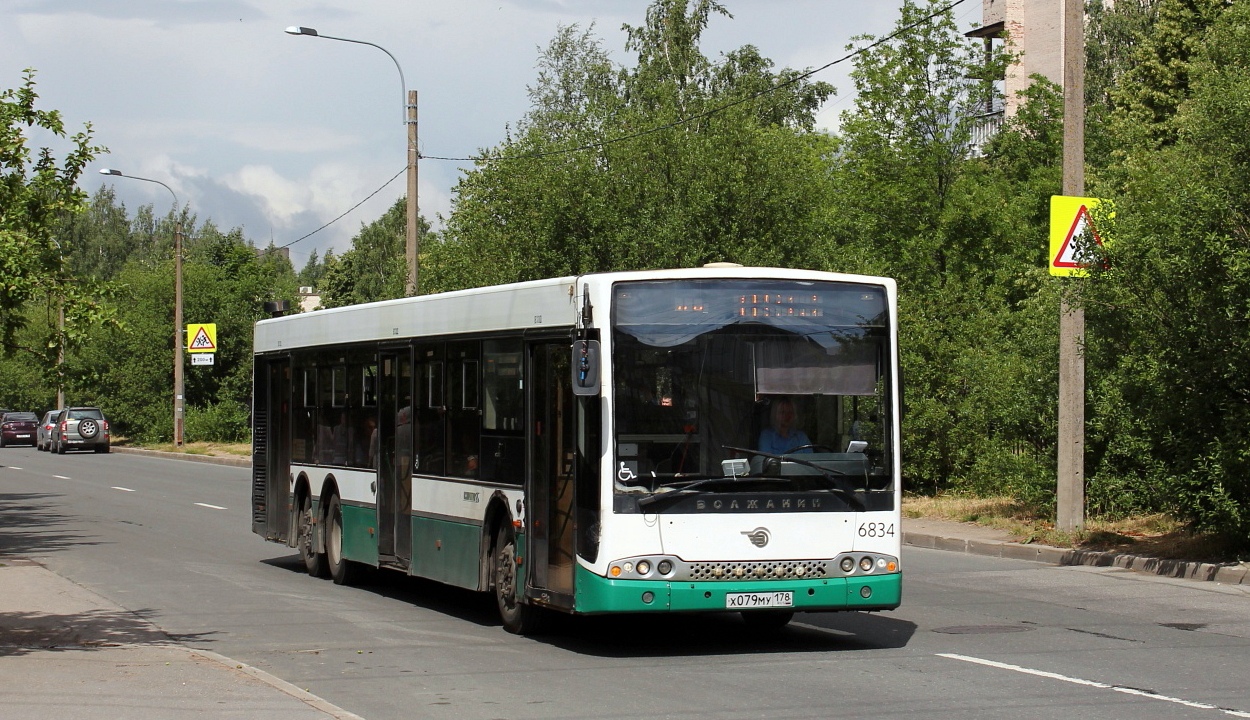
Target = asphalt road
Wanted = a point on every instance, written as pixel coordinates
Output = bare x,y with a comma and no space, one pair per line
976,637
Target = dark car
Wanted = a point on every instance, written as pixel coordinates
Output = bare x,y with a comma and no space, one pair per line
18,428
82,428
43,438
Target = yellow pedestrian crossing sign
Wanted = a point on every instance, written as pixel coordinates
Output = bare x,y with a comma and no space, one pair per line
202,338
1073,237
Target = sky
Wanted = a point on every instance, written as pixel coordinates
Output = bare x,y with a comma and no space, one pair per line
280,134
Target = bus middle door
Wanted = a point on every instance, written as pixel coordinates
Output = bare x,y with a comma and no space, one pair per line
549,482
394,459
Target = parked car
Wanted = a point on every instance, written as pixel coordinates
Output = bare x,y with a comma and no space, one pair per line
81,427
18,428
43,437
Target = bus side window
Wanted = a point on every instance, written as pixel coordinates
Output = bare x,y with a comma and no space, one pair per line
464,420
431,408
304,417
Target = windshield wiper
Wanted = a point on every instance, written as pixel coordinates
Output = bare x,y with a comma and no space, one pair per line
836,478
698,487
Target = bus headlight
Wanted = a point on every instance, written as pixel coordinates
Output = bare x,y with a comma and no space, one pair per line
865,563
646,567
848,564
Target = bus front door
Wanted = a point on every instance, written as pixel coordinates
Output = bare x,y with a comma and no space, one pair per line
549,482
393,459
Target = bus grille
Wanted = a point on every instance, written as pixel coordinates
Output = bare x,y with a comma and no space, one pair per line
788,569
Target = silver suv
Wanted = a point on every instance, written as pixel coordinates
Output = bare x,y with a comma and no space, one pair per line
80,427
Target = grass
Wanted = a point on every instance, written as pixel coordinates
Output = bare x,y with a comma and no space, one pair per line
1156,536
194,448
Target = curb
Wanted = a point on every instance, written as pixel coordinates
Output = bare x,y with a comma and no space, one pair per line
277,683
209,459
1226,574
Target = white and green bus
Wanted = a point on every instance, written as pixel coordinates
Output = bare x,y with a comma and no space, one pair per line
711,439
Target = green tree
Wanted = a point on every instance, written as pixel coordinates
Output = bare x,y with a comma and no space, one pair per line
376,266
674,162
127,369
1169,318
965,236
314,269
36,194
1157,80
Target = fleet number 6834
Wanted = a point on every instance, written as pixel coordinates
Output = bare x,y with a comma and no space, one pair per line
876,530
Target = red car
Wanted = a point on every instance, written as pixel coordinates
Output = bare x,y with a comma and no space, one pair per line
18,428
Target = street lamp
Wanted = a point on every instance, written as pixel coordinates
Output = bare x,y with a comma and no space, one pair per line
412,239
179,406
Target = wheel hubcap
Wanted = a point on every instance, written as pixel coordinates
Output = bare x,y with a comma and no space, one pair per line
506,576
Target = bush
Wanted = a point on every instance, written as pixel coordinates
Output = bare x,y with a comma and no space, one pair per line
219,422
1015,472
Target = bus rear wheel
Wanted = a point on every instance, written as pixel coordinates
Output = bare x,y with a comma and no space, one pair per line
342,570
518,617
306,536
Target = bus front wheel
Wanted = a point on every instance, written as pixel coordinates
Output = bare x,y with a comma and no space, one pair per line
518,617
342,570
306,528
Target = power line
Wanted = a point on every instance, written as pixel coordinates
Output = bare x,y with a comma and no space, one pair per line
719,108
348,210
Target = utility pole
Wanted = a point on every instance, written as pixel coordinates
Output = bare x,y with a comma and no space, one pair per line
413,238
179,335
1070,492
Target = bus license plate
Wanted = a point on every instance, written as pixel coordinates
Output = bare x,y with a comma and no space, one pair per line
737,601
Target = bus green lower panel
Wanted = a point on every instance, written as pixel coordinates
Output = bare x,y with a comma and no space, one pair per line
360,543
597,594
446,551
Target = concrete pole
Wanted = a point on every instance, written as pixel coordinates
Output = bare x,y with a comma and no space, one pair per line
60,353
413,238
179,337
1070,495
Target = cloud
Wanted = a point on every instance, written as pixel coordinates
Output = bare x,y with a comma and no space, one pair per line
157,12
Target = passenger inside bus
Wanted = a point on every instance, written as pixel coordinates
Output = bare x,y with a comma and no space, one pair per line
782,435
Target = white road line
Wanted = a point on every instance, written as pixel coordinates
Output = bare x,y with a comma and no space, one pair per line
1091,683
118,487
60,477
14,467
211,507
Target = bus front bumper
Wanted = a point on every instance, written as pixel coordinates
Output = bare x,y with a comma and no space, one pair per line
596,594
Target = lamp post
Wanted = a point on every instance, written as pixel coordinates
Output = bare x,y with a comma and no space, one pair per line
412,238
179,400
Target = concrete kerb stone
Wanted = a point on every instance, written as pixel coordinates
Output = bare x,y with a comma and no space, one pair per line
1228,574
278,683
210,459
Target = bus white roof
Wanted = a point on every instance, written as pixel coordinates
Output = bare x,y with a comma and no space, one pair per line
534,305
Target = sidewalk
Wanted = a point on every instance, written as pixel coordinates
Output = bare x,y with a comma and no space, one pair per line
68,654
969,538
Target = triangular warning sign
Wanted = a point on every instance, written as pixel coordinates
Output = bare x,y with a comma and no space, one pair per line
201,341
1075,251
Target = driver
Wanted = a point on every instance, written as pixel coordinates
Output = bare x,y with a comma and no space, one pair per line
782,436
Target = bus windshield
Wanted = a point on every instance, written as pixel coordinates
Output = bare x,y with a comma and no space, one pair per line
748,385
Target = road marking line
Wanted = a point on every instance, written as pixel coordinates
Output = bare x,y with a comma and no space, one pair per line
60,477
118,487
14,467
1091,683
211,507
